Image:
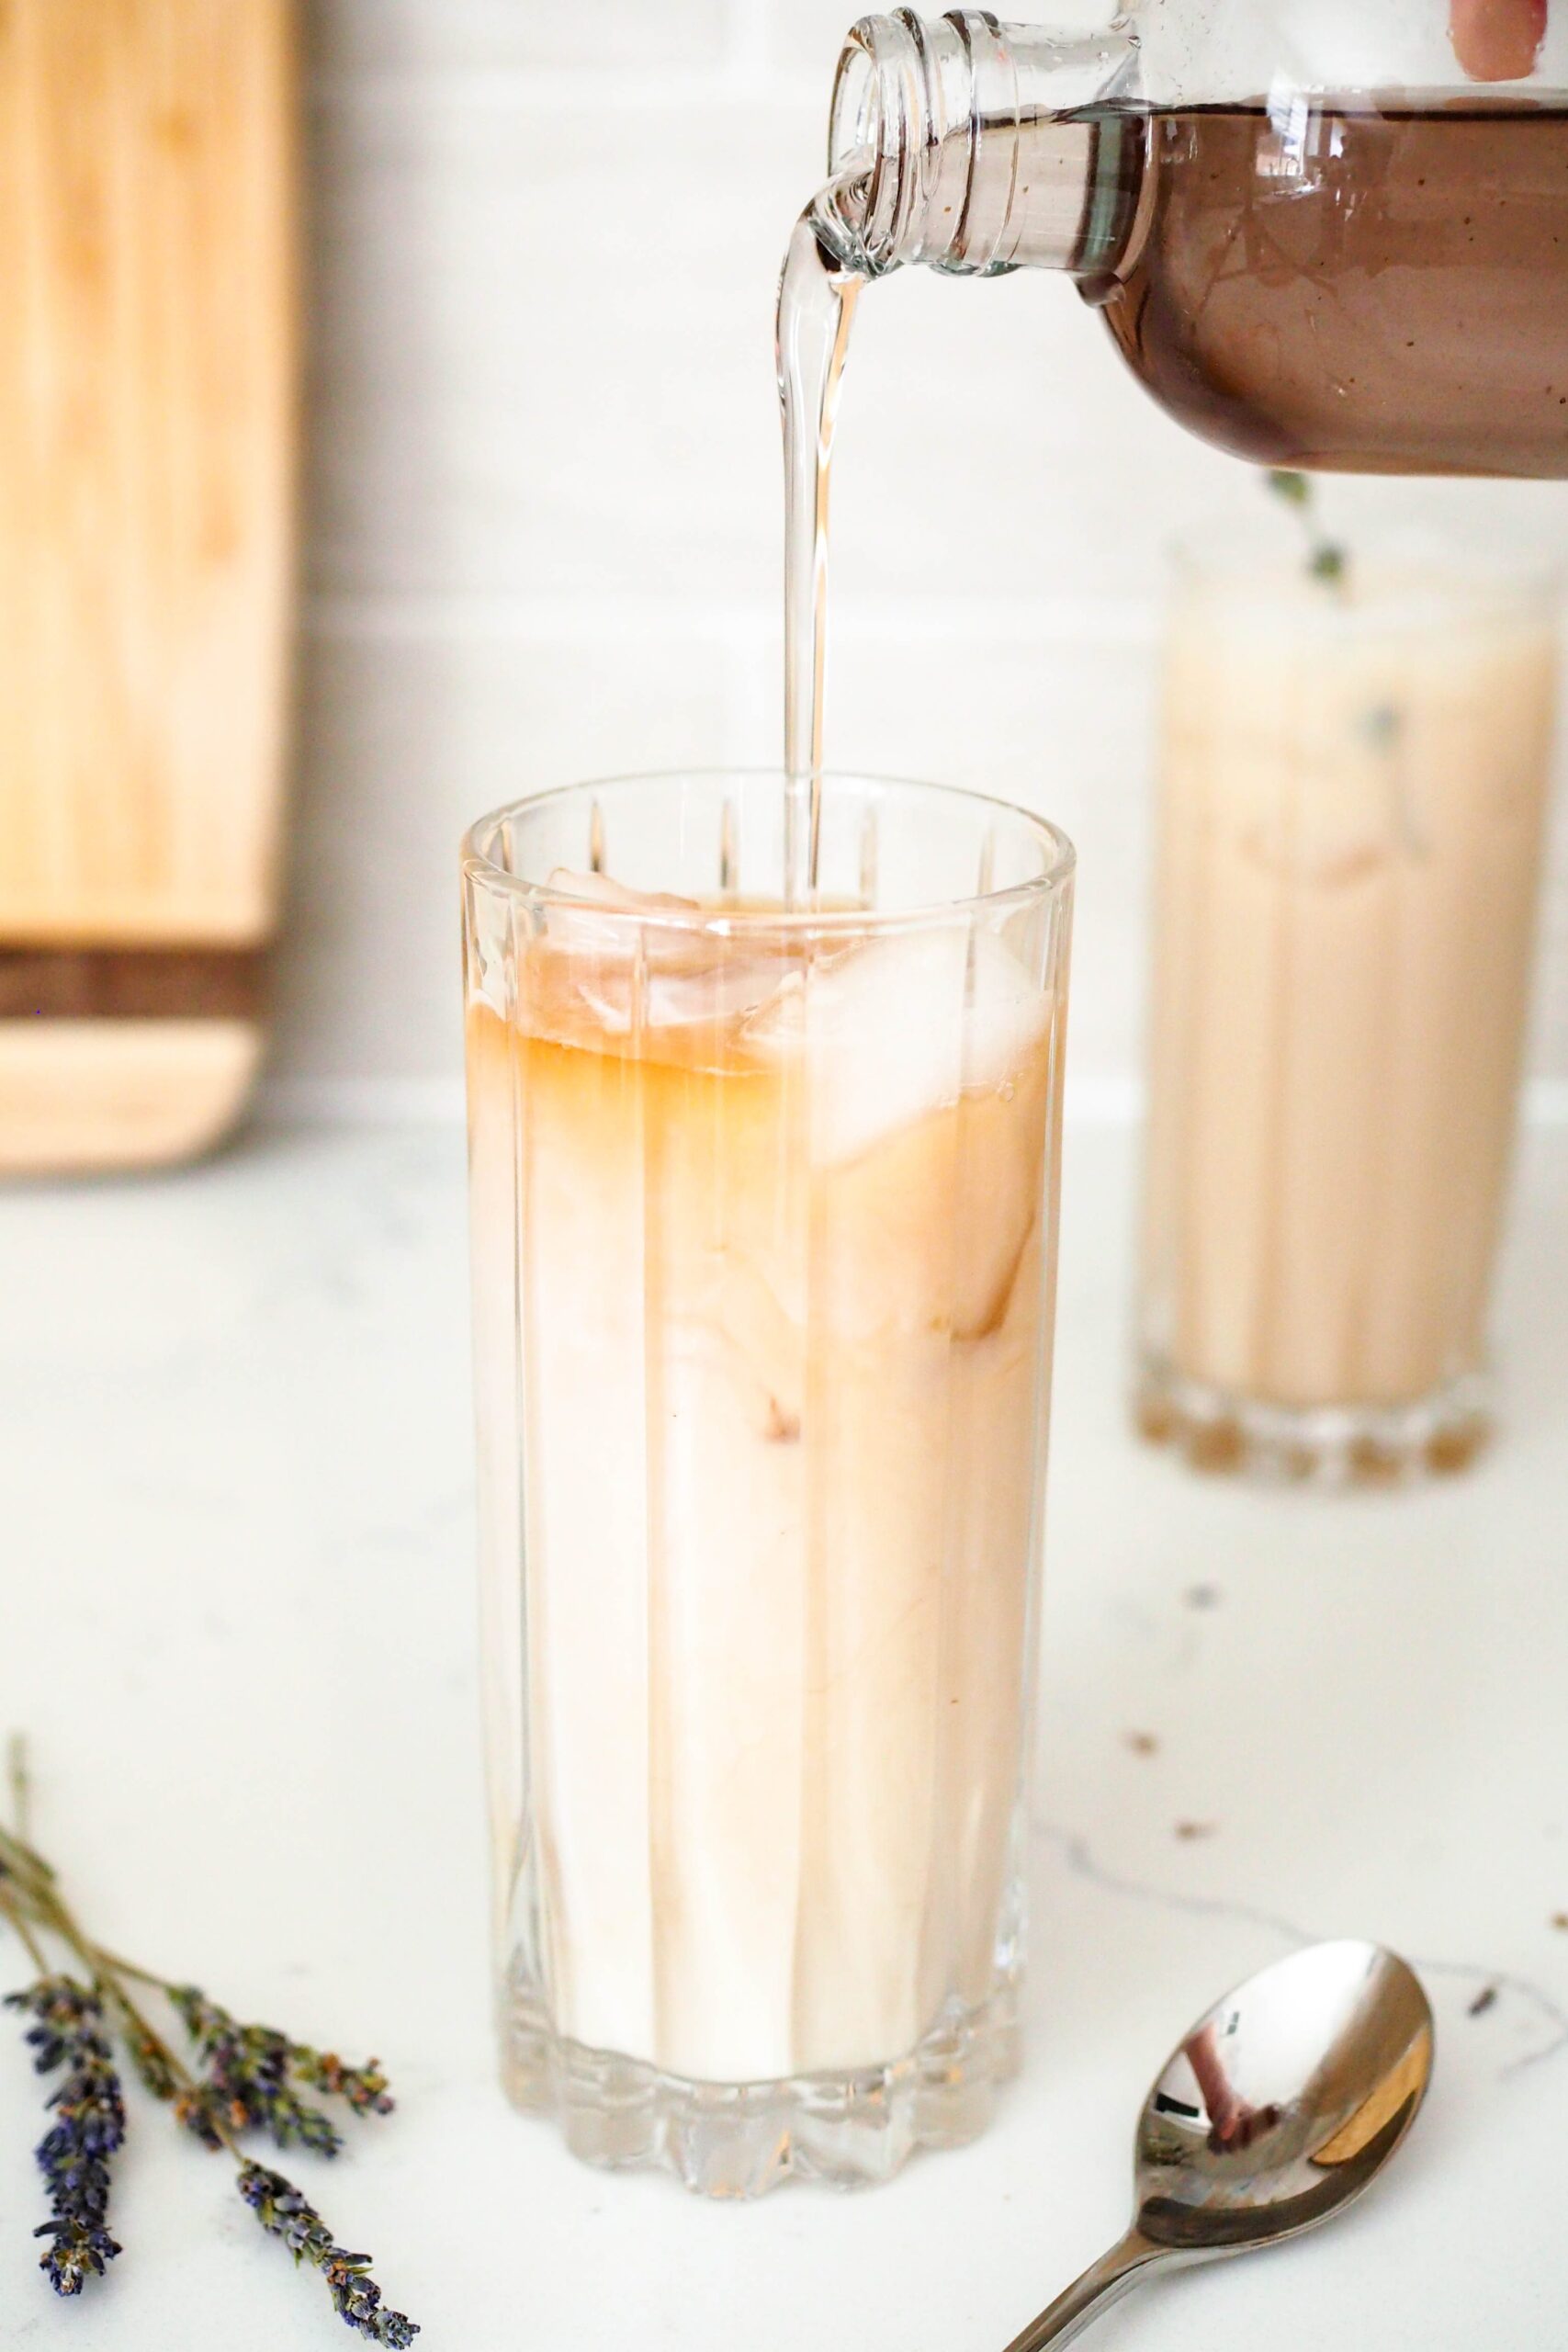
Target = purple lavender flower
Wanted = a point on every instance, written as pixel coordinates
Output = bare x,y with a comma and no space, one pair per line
249,2078
78,2251
246,2084
285,2213
89,2127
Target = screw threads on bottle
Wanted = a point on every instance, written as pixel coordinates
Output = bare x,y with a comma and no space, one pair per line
975,147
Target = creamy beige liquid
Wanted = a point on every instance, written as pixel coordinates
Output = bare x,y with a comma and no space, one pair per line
1352,800
782,1305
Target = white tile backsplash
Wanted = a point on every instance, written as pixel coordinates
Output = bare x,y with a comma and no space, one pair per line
543,354
543,512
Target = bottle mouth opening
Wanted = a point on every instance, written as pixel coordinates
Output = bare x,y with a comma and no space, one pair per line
966,144
855,118
879,125
920,107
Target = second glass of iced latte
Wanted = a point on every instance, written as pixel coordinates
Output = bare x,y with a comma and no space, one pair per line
765,1212
1353,788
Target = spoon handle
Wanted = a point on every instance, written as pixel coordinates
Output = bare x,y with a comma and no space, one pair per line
1104,2284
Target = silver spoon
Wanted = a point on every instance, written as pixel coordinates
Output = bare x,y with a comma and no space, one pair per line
1274,2113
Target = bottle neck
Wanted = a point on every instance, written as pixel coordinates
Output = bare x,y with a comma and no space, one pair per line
976,147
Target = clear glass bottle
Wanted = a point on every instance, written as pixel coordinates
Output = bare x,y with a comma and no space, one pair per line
1315,236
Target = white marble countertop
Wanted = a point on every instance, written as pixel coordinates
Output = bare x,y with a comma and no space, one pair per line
236,1623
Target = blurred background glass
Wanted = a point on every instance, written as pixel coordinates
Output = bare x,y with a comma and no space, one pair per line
1353,773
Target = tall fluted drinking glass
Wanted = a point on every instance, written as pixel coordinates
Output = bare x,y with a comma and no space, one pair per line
764,1230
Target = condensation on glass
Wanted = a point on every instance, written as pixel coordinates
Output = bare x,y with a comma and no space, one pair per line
764,1238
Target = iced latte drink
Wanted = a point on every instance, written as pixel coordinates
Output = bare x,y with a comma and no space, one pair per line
1353,785
764,1233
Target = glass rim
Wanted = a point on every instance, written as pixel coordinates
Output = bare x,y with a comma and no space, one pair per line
742,921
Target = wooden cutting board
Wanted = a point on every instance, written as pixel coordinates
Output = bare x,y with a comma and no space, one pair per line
147,460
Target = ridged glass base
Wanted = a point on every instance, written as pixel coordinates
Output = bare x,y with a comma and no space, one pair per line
721,2140
1334,1446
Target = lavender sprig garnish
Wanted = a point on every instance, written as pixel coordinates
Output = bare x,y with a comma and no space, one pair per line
89,2127
282,2209
246,2084
1327,559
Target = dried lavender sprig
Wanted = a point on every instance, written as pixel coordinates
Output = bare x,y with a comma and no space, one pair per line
355,2295
15,1906
364,2087
252,2060
90,2113
285,2212
248,2068
155,2063
149,2059
282,2208
89,2128
24,1894
28,1872
34,1881
245,2081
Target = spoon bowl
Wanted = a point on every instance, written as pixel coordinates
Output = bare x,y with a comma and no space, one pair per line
1284,2101
1276,2110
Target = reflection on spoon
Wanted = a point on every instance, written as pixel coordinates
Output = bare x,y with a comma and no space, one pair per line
1233,2121
1279,2108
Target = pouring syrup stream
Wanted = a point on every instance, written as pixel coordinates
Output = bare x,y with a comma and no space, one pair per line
817,294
